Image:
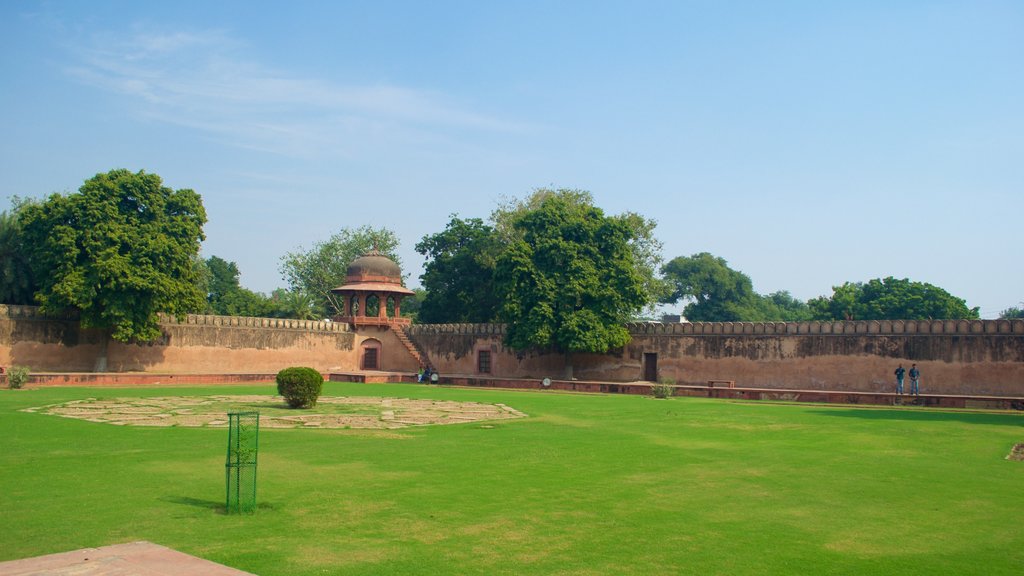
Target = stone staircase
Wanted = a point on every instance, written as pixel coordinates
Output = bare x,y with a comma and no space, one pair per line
402,332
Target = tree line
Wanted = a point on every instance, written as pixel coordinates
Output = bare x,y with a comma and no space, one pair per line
553,266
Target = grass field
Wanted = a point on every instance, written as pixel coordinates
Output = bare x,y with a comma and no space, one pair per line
587,485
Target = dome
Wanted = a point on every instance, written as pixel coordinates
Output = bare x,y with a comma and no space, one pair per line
374,267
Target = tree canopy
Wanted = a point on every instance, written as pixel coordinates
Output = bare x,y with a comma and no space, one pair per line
1012,312
459,274
17,280
568,280
646,248
119,251
890,299
717,293
322,268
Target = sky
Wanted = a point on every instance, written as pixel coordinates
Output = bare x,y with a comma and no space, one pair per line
807,143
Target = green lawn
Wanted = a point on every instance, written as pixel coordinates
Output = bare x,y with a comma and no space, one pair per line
588,484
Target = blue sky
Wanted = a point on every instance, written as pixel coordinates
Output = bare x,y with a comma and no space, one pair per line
807,143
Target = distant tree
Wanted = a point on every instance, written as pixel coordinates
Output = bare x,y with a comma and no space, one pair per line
227,297
568,280
119,251
459,273
890,299
1012,312
17,280
781,306
411,304
717,293
322,268
297,305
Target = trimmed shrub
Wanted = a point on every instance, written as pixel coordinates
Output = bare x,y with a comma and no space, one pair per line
17,376
300,386
665,388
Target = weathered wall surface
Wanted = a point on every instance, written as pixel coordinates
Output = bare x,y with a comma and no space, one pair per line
955,357
453,349
394,357
212,344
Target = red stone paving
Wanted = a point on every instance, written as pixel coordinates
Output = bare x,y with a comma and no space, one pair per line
131,559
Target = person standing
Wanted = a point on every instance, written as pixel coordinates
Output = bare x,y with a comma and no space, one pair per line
915,380
899,379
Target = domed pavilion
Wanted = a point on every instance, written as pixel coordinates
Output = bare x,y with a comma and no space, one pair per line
373,292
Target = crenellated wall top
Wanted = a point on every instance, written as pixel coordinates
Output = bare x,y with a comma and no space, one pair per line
867,327
461,329
252,322
15,311
923,327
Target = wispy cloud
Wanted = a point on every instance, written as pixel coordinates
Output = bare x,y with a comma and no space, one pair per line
202,80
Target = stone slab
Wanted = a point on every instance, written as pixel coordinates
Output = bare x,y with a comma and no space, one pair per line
131,559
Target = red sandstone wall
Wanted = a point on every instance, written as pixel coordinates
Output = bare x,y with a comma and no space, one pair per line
207,344
955,357
394,357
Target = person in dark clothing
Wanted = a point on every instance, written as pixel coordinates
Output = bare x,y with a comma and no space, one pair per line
899,379
915,380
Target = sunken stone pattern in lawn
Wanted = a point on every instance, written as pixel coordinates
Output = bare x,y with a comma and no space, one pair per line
330,412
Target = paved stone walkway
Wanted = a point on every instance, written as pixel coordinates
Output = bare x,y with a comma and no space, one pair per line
132,559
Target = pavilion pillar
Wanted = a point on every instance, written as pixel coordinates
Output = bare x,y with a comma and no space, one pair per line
382,305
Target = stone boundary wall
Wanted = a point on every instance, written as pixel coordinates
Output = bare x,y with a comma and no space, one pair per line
198,343
955,356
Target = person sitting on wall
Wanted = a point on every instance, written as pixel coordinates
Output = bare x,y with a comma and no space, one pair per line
426,374
419,375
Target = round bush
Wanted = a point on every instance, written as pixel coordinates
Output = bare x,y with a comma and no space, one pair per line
300,386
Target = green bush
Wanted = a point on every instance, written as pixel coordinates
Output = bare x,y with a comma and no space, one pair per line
665,388
300,386
17,376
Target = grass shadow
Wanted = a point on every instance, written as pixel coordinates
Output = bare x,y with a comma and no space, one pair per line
219,507
185,500
924,415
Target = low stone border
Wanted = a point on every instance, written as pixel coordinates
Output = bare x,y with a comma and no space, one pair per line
363,412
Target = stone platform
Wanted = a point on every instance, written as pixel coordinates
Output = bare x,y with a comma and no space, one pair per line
131,559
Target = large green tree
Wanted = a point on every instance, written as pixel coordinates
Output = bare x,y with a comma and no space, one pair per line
568,280
890,299
119,251
459,273
646,248
322,268
17,280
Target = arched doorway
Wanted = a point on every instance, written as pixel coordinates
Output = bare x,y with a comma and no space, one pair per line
369,354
